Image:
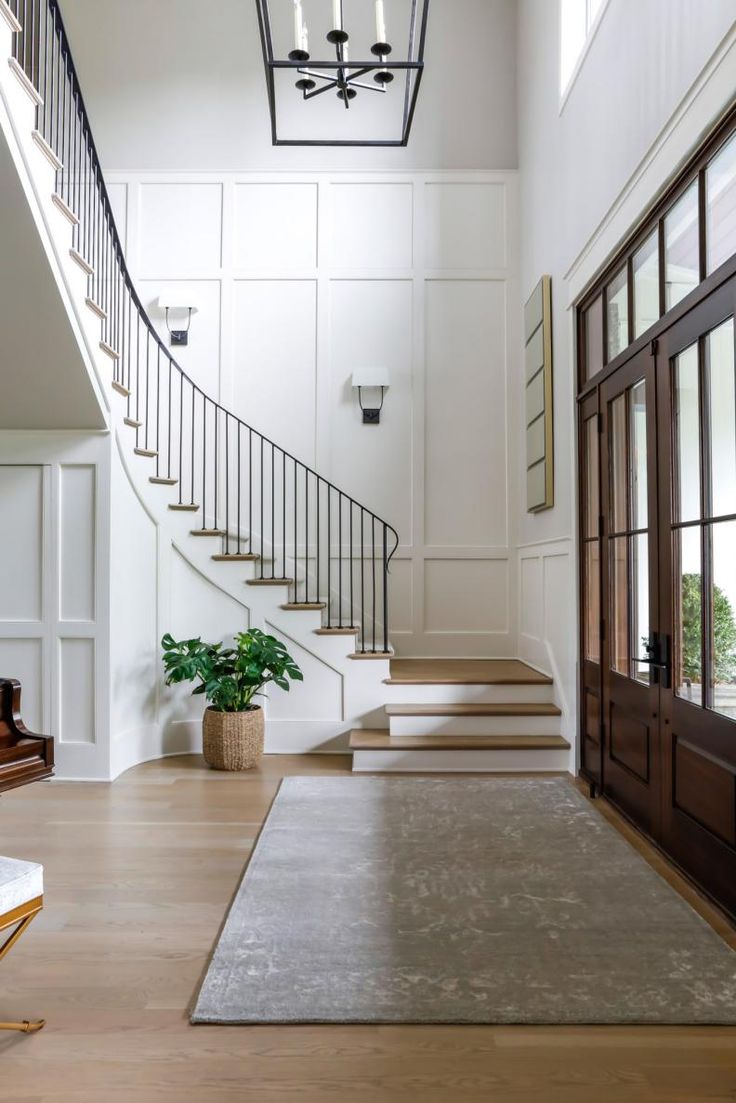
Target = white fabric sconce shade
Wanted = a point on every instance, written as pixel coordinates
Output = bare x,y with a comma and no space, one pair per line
371,377
176,301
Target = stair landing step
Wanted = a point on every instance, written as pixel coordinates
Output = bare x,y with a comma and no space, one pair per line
464,672
377,739
532,708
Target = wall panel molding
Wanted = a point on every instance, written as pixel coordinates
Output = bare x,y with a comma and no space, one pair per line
414,271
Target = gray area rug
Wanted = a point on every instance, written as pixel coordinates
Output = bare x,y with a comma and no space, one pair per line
457,900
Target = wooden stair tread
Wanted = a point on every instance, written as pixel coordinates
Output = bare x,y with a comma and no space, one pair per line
465,672
80,260
184,507
96,308
236,557
521,708
294,606
372,655
367,739
120,389
270,582
109,350
132,423
64,208
145,452
207,532
160,480
346,631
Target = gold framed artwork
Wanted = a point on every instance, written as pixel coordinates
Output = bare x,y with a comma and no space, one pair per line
540,480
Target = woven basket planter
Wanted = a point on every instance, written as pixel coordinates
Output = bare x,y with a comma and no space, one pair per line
232,740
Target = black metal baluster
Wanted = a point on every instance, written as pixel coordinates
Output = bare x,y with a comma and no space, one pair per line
329,556
273,514
385,587
283,518
204,461
352,617
227,486
339,560
362,580
373,570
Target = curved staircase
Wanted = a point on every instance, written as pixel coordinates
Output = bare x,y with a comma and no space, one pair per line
241,509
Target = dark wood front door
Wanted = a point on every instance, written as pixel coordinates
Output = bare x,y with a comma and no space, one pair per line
632,768
696,385
665,676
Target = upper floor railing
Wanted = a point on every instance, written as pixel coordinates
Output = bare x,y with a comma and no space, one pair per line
266,504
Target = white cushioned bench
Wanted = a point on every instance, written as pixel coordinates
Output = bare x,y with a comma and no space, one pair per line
20,882
21,899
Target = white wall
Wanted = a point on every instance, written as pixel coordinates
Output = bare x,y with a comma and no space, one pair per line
178,85
303,278
54,607
655,78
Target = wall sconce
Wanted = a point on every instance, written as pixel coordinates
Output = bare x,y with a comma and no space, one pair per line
171,303
373,379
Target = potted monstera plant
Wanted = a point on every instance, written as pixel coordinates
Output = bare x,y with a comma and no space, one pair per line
229,678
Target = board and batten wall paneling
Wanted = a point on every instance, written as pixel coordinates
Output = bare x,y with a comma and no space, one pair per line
301,279
53,606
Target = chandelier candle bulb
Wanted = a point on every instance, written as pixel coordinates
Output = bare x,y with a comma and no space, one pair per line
380,22
337,15
298,25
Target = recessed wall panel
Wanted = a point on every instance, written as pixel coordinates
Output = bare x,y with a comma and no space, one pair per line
21,552
465,414
465,225
531,597
371,325
466,595
275,355
77,542
371,225
401,597
180,228
23,659
76,691
275,226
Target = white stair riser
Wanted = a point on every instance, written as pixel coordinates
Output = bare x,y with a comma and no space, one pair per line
461,761
474,725
437,694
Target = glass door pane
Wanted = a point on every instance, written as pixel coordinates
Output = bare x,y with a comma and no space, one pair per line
722,617
682,248
722,419
720,206
687,436
645,265
619,611
688,664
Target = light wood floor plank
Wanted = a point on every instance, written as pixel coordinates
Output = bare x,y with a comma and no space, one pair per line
138,877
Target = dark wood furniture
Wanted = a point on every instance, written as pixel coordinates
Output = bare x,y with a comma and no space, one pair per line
24,756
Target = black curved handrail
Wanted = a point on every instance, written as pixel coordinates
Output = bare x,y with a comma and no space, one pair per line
254,493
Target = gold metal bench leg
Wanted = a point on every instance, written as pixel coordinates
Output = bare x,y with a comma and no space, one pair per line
20,918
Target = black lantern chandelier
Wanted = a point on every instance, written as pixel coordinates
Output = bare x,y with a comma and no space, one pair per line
343,76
